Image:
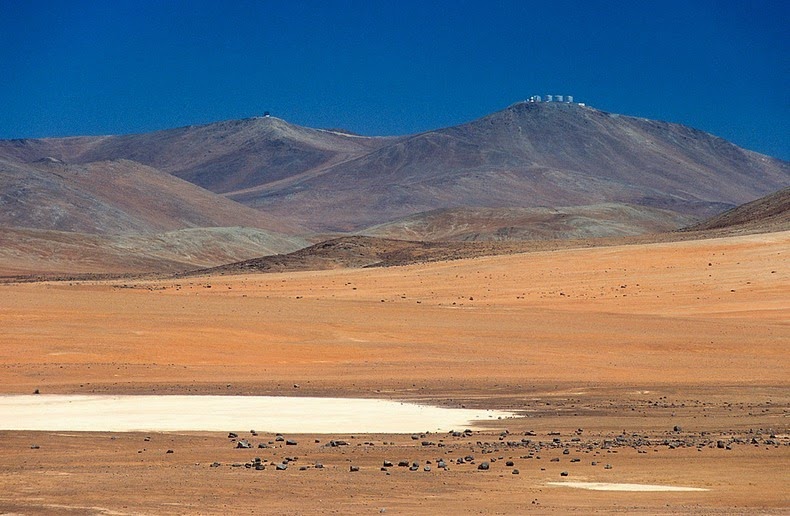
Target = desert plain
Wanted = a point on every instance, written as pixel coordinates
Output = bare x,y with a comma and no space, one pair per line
654,364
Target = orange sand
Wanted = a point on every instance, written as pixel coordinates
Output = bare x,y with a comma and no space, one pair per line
598,334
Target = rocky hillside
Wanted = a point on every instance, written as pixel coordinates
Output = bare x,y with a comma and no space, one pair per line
531,155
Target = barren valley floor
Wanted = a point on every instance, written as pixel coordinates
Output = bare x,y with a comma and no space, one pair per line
605,351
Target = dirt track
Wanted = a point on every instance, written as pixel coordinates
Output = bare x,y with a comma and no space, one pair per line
636,338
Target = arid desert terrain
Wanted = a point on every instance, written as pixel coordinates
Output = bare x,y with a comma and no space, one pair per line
652,364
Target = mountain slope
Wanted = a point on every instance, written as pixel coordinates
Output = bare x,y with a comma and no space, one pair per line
526,156
530,155
574,222
25,251
222,157
769,213
113,197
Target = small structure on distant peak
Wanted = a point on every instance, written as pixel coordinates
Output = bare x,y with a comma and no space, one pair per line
266,114
564,99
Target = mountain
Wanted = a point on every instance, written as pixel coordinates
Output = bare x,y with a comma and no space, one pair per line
113,197
224,157
120,216
603,173
531,155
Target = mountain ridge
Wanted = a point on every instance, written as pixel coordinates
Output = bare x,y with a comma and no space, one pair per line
531,155
526,156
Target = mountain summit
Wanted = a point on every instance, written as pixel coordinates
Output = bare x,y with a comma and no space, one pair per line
528,155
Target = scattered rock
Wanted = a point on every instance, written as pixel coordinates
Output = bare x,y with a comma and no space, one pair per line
515,472
282,466
290,442
564,474
483,466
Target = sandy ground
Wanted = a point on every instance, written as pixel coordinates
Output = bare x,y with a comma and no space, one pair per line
625,342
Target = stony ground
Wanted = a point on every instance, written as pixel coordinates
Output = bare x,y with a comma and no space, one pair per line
503,471
660,364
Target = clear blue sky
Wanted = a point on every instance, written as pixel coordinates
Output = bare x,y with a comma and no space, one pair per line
391,67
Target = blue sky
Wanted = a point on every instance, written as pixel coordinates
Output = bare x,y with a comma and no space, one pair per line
390,67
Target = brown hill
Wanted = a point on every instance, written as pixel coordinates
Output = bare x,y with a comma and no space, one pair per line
573,222
114,197
356,252
120,217
769,213
455,234
359,252
37,252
